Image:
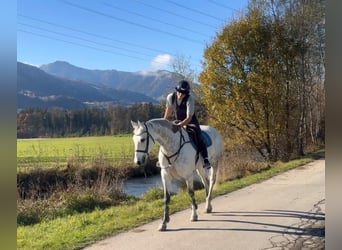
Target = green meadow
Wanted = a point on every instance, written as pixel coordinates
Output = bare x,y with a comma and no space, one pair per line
58,151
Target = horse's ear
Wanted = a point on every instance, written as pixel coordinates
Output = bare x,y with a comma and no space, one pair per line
134,124
140,124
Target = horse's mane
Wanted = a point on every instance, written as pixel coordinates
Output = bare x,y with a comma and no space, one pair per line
160,122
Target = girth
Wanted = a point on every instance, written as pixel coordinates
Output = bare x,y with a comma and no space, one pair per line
182,142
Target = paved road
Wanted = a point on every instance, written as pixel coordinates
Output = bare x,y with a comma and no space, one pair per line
284,212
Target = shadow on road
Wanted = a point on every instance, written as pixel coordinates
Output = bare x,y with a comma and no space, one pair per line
274,213
309,224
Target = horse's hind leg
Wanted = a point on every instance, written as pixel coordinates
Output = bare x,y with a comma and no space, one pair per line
190,185
204,179
212,180
207,186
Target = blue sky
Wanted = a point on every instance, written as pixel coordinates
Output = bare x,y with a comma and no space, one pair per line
126,35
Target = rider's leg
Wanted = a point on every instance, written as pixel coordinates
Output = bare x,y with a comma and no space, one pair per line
205,156
202,148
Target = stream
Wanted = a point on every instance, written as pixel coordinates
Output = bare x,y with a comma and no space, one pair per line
138,186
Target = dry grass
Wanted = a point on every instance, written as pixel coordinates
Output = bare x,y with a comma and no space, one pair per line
56,192
238,163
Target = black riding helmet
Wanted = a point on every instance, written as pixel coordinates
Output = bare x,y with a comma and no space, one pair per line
183,87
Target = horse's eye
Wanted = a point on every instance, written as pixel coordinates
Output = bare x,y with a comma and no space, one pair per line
142,140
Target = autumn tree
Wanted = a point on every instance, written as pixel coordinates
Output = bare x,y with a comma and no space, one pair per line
253,81
303,48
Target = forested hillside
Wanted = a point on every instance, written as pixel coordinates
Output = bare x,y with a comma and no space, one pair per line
38,122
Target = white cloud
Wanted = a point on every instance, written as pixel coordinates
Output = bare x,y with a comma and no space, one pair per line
161,61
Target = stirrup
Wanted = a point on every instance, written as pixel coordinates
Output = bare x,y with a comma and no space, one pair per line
207,164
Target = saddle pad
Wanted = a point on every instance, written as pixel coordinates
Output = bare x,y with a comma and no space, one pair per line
206,138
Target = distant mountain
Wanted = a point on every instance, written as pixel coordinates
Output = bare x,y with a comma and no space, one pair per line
153,84
36,88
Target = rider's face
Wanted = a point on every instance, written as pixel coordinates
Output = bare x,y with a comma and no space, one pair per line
180,95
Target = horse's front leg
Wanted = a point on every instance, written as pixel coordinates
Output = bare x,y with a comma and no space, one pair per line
167,185
166,217
190,185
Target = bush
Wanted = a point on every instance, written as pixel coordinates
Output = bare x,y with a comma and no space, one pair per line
86,203
27,218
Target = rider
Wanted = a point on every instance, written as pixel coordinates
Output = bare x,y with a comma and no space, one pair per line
183,105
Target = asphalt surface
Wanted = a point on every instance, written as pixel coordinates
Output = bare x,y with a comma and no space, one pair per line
284,212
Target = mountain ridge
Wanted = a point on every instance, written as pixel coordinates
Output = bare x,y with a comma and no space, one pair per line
154,84
37,88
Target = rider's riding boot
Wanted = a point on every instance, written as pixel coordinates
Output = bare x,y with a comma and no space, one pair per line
206,163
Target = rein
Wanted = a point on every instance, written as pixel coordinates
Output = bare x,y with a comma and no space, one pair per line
147,142
182,142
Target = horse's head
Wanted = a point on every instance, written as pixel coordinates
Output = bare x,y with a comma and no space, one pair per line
143,142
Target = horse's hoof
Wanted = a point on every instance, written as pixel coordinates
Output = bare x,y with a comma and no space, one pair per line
162,227
194,218
209,210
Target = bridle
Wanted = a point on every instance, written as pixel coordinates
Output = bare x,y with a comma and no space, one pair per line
147,140
182,142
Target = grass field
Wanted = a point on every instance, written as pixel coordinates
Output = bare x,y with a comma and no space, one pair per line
52,151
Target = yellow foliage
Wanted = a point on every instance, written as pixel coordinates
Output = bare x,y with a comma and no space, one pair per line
239,85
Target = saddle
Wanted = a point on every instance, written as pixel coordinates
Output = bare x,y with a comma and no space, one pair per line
193,138
191,130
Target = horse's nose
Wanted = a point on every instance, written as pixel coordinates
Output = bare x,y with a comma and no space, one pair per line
140,161
137,161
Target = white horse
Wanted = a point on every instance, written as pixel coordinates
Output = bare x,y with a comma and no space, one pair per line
177,158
